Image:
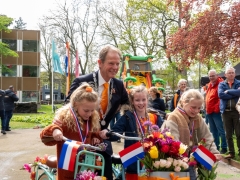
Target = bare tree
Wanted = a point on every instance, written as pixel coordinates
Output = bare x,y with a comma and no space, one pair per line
45,49
76,22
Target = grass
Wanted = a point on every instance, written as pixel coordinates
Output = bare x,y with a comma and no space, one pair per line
26,120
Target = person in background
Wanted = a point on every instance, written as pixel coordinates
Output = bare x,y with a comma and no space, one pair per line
213,114
111,91
186,124
229,93
9,99
2,111
155,101
203,92
238,107
80,122
132,122
182,84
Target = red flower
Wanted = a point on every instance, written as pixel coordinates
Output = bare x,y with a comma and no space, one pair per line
174,148
156,134
165,148
176,144
32,176
194,148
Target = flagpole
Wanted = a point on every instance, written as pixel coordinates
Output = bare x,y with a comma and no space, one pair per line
68,77
52,78
52,90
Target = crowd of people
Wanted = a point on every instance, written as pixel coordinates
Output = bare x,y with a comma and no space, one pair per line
7,99
127,111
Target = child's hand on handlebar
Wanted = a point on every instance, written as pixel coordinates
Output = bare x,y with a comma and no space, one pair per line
57,135
103,133
95,141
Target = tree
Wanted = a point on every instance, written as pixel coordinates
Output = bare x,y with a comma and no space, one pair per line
20,24
77,24
4,48
210,33
138,26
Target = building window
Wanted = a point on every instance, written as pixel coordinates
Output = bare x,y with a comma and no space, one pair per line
9,70
12,43
30,71
46,86
31,46
56,85
29,96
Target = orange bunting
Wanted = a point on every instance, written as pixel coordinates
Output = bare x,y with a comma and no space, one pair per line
89,89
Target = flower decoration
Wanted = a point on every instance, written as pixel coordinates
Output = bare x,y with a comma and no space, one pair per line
31,167
203,172
162,152
88,175
102,146
113,90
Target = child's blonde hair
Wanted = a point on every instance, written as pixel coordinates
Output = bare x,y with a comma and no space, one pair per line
134,90
190,95
83,92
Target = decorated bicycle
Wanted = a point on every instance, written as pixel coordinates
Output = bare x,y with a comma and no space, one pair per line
75,156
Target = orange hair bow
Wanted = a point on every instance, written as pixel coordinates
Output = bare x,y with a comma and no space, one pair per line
89,89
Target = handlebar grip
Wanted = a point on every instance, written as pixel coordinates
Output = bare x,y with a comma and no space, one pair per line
109,134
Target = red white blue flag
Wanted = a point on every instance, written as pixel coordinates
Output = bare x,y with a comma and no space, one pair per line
131,154
204,157
68,155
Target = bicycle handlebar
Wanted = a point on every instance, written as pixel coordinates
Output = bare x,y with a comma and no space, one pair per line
110,133
99,147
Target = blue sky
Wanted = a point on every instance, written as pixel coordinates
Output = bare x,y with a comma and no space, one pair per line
29,10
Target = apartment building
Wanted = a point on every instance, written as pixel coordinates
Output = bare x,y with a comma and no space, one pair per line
23,71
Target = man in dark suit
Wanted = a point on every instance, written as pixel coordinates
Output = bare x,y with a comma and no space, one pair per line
108,62
2,111
9,99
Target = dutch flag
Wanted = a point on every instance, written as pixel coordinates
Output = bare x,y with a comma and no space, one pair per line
131,154
204,157
68,155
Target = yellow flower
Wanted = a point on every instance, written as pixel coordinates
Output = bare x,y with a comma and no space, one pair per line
161,136
182,148
153,152
168,134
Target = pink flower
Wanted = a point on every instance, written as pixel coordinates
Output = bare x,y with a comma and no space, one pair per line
192,163
175,162
170,159
27,167
177,169
37,159
156,164
163,163
168,164
185,165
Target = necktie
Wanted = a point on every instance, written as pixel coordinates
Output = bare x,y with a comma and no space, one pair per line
104,98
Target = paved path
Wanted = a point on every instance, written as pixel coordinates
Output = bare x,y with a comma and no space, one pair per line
23,145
